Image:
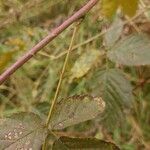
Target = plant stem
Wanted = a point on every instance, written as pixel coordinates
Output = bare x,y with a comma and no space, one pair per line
61,77
59,83
52,35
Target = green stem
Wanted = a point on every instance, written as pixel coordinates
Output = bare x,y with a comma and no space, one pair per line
61,78
59,83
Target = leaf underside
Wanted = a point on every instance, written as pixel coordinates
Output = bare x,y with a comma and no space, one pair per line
133,50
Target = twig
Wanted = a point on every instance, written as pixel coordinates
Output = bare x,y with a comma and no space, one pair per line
53,34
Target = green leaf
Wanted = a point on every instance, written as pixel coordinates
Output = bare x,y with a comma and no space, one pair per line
133,50
116,91
67,143
76,109
84,63
22,131
114,32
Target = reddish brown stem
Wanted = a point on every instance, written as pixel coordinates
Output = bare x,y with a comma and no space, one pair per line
53,34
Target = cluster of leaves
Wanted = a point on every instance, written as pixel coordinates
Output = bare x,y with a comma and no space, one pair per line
91,70
28,131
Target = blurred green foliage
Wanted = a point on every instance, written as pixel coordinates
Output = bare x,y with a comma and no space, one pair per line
125,89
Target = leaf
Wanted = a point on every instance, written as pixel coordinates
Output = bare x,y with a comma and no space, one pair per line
67,143
133,50
116,91
22,131
76,109
109,8
84,63
114,32
129,7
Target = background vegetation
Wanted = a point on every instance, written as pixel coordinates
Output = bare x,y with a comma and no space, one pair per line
106,60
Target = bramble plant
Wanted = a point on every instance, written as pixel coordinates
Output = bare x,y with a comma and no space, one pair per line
104,95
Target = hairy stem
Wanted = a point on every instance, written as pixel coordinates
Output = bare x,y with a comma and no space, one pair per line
53,34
